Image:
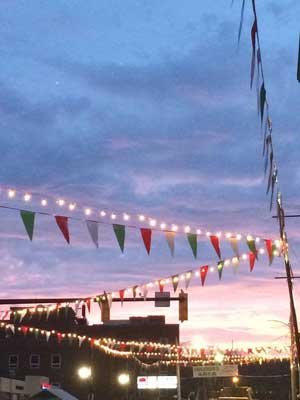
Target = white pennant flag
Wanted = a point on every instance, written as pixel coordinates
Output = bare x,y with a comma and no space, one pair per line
80,339
22,314
187,278
109,299
170,240
93,231
48,334
11,327
145,291
48,313
234,245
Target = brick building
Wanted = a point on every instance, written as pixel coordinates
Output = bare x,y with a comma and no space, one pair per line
22,355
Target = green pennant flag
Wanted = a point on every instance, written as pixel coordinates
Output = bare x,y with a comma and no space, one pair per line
192,239
262,101
252,246
120,235
28,221
220,268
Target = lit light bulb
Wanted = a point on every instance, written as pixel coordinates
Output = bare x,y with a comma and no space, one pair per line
152,222
235,260
102,213
126,217
197,273
175,279
249,237
244,256
239,236
142,218
257,239
44,202
11,193
228,235
88,211
211,269
163,226
27,197
61,202
113,216
219,234
226,263
187,229
208,234
174,228
198,231
72,206
261,251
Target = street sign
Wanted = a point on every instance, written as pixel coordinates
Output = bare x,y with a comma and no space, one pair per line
157,382
162,299
208,371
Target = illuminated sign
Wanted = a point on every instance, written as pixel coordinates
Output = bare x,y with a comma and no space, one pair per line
208,371
157,382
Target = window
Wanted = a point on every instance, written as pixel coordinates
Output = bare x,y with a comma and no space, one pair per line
13,361
55,361
34,361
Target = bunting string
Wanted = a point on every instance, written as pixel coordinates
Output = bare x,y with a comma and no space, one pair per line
28,218
174,281
151,351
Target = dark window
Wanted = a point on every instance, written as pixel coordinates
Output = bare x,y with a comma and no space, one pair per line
34,361
55,361
13,361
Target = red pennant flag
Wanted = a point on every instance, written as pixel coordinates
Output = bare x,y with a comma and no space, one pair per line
92,343
24,329
203,273
62,223
121,294
161,285
88,304
146,235
215,242
59,337
269,248
252,258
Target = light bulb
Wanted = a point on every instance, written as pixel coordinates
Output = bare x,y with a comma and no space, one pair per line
102,213
113,216
163,226
27,197
61,202
44,202
88,211
187,229
152,222
174,228
72,206
11,193
126,217
141,218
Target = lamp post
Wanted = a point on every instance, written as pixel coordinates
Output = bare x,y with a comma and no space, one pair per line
124,380
85,374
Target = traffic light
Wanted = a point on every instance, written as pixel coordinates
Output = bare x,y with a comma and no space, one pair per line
183,306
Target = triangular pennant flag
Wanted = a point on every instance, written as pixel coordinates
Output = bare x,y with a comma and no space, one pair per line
235,265
175,282
170,236
234,245
22,314
48,313
220,268
262,101
192,239
215,242
59,337
24,329
88,304
253,39
80,340
11,327
298,68
161,284
252,246
36,333
269,247
121,294
145,291
251,260
48,334
187,278
241,21
109,299
92,227
134,290
62,223
203,273
28,221
146,235
120,235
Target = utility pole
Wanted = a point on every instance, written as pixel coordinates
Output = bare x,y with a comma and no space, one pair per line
288,268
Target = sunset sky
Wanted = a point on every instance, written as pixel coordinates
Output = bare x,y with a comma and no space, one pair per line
144,107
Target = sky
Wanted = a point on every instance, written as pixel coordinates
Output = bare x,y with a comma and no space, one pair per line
145,108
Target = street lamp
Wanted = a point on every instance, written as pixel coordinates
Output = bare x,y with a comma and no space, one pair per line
84,372
123,379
